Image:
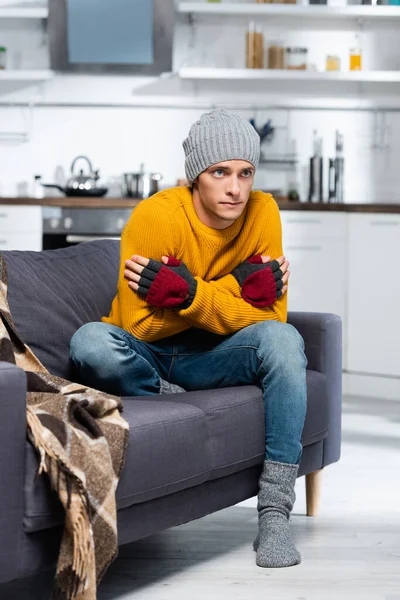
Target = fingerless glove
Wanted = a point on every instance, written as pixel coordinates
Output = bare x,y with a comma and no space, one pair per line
167,286
261,283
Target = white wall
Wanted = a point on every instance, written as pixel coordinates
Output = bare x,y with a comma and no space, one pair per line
118,138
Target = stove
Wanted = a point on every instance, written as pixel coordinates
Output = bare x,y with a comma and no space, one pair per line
69,226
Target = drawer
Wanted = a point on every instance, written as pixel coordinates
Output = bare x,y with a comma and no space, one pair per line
375,225
20,218
313,224
17,241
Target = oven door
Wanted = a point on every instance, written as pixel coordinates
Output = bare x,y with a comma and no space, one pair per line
64,227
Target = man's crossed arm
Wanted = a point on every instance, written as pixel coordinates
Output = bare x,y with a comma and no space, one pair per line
213,305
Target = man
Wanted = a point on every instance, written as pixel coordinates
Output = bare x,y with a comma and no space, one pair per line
200,304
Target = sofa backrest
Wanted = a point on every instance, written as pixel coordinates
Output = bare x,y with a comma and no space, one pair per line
54,292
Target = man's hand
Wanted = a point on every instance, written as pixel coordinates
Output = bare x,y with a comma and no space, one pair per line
166,284
262,281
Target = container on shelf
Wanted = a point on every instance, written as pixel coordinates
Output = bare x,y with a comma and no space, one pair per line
254,47
276,57
296,58
355,59
3,57
332,63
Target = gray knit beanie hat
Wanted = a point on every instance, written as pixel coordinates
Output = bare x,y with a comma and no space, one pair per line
218,136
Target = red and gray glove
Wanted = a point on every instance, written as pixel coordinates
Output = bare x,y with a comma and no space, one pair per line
168,286
261,283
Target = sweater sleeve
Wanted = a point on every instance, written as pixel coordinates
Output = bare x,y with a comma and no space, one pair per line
148,233
218,306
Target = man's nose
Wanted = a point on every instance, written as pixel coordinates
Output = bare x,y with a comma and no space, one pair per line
233,187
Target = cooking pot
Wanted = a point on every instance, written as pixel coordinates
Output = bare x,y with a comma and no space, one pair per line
84,184
140,185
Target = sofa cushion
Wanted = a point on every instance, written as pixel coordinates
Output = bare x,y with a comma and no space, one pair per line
52,293
167,452
235,422
235,425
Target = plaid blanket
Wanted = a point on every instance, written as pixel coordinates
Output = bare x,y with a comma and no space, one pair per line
81,441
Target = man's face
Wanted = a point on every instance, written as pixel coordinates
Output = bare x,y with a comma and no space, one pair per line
220,193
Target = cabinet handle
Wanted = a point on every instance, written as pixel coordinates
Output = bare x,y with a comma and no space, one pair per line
3,241
312,248
312,221
384,223
3,215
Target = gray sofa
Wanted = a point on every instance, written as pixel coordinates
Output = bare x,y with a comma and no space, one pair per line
190,454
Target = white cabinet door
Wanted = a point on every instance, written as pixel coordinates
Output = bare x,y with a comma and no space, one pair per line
21,241
21,227
374,294
15,219
316,246
318,276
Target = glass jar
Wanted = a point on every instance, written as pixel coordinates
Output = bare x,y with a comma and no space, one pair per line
355,59
276,57
3,57
332,63
254,47
296,58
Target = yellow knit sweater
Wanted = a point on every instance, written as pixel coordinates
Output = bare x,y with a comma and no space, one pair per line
167,224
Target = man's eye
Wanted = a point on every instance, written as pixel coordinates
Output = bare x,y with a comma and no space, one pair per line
219,172
247,173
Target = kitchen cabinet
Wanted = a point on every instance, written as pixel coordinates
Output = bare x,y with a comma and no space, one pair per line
374,294
316,246
20,227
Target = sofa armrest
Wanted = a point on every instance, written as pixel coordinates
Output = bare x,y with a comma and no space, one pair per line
12,467
322,334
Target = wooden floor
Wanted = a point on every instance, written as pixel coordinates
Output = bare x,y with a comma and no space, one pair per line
350,552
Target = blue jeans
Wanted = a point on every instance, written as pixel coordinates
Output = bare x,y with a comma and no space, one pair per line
268,354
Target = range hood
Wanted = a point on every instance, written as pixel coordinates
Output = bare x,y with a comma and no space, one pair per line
111,36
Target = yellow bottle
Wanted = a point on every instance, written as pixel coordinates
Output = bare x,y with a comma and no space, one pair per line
355,59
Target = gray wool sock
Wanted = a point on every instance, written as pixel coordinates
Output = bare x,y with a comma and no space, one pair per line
170,388
274,544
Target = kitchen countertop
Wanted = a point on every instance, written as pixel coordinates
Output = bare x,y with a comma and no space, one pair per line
66,202
131,203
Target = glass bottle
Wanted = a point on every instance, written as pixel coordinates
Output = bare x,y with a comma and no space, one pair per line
355,59
254,47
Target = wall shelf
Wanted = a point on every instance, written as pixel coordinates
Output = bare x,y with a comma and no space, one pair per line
290,10
205,73
25,75
13,81
17,11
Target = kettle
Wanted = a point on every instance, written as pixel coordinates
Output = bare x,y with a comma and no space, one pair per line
83,184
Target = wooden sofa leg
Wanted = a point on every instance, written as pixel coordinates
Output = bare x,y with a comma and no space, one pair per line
313,492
